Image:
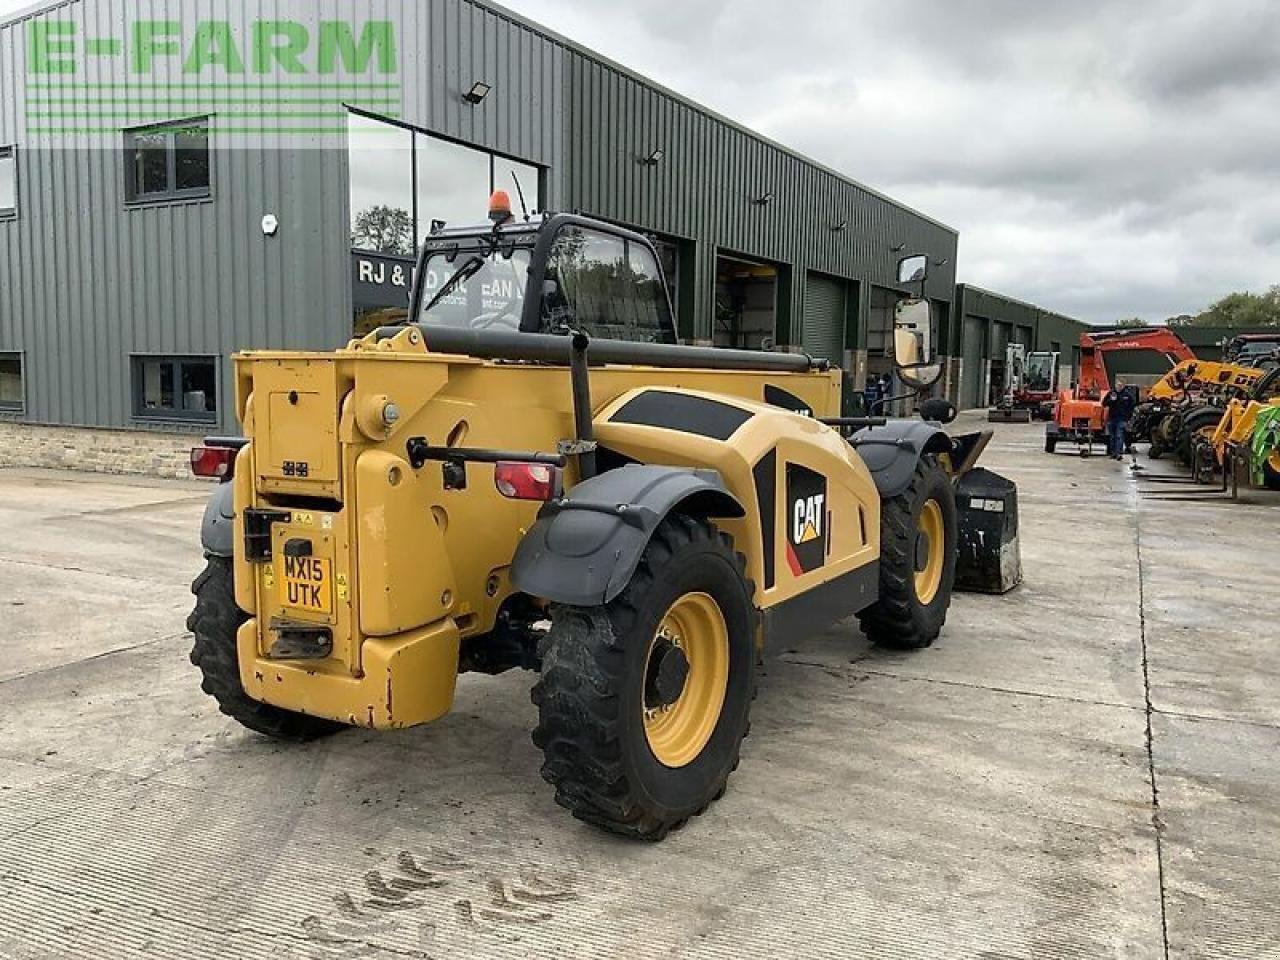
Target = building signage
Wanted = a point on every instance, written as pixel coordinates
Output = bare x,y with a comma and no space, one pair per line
386,281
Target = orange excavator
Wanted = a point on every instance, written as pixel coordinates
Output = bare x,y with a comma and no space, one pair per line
1077,413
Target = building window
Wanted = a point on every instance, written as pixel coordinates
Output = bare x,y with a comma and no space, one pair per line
403,184
167,163
8,183
175,388
12,397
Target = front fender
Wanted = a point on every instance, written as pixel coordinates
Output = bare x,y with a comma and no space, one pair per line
586,546
891,452
219,521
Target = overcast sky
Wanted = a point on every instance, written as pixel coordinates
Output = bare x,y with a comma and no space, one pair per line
1104,158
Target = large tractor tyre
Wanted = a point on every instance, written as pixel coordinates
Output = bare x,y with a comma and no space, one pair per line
1050,443
918,549
1270,477
1195,421
214,623
643,703
1156,450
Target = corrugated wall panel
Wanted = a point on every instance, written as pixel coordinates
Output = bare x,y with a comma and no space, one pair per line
722,169
86,282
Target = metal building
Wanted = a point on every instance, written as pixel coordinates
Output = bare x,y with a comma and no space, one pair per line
985,324
179,180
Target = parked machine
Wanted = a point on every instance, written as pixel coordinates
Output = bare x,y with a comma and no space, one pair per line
1241,443
1253,350
533,474
1077,413
1190,398
1031,383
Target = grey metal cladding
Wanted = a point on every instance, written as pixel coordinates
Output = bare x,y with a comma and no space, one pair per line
86,282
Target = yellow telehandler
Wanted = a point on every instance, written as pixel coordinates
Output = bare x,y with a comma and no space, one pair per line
1229,448
532,473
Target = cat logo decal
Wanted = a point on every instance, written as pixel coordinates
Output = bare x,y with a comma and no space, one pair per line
808,519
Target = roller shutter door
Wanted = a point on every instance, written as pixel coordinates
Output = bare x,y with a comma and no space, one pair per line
974,365
1000,333
1024,336
825,307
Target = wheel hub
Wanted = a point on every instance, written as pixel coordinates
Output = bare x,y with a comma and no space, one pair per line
686,679
668,672
922,551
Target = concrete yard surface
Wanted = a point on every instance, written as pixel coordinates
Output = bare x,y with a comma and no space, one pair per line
1088,767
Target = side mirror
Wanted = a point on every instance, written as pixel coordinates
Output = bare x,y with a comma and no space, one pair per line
913,355
913,269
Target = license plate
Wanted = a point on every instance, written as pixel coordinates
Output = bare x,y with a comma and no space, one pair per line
307,584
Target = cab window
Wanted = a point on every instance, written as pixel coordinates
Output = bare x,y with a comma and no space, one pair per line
607,287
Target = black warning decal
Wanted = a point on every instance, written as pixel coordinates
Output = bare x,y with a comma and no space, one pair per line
807,519
777,397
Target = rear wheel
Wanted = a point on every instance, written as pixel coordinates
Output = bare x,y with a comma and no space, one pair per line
1270,477
643,703
214,623
918,537
1195,421
1050,443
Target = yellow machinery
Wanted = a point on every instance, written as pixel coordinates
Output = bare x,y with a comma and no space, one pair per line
1229,447
1188,399
533,474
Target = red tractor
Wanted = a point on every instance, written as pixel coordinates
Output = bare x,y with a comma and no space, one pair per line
1077,413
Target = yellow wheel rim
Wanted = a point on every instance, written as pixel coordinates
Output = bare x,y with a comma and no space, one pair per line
694,633
930,555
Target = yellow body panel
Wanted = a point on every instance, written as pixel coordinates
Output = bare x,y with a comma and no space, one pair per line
1204,379
417,568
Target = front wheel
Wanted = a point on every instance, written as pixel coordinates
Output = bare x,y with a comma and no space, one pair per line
1270,476
214,624
643,703
918,549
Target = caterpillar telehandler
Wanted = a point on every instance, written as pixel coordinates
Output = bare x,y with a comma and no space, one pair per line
531,473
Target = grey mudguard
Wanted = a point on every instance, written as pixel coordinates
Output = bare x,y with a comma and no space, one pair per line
585,547
219,515
891,452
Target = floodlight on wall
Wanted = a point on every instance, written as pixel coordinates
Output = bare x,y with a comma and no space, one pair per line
899,248
765,200
840,227
655,158
941,263
479,90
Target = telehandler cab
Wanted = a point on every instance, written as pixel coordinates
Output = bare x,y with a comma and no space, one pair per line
532,473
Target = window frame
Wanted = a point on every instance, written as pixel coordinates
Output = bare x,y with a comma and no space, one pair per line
493,157
172,194
10,152
533,320
9,408
139,411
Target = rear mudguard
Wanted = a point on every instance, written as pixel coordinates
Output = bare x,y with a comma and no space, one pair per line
891,452
585,546
219,520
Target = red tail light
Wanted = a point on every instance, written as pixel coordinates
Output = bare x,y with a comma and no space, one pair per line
216,463
527,481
